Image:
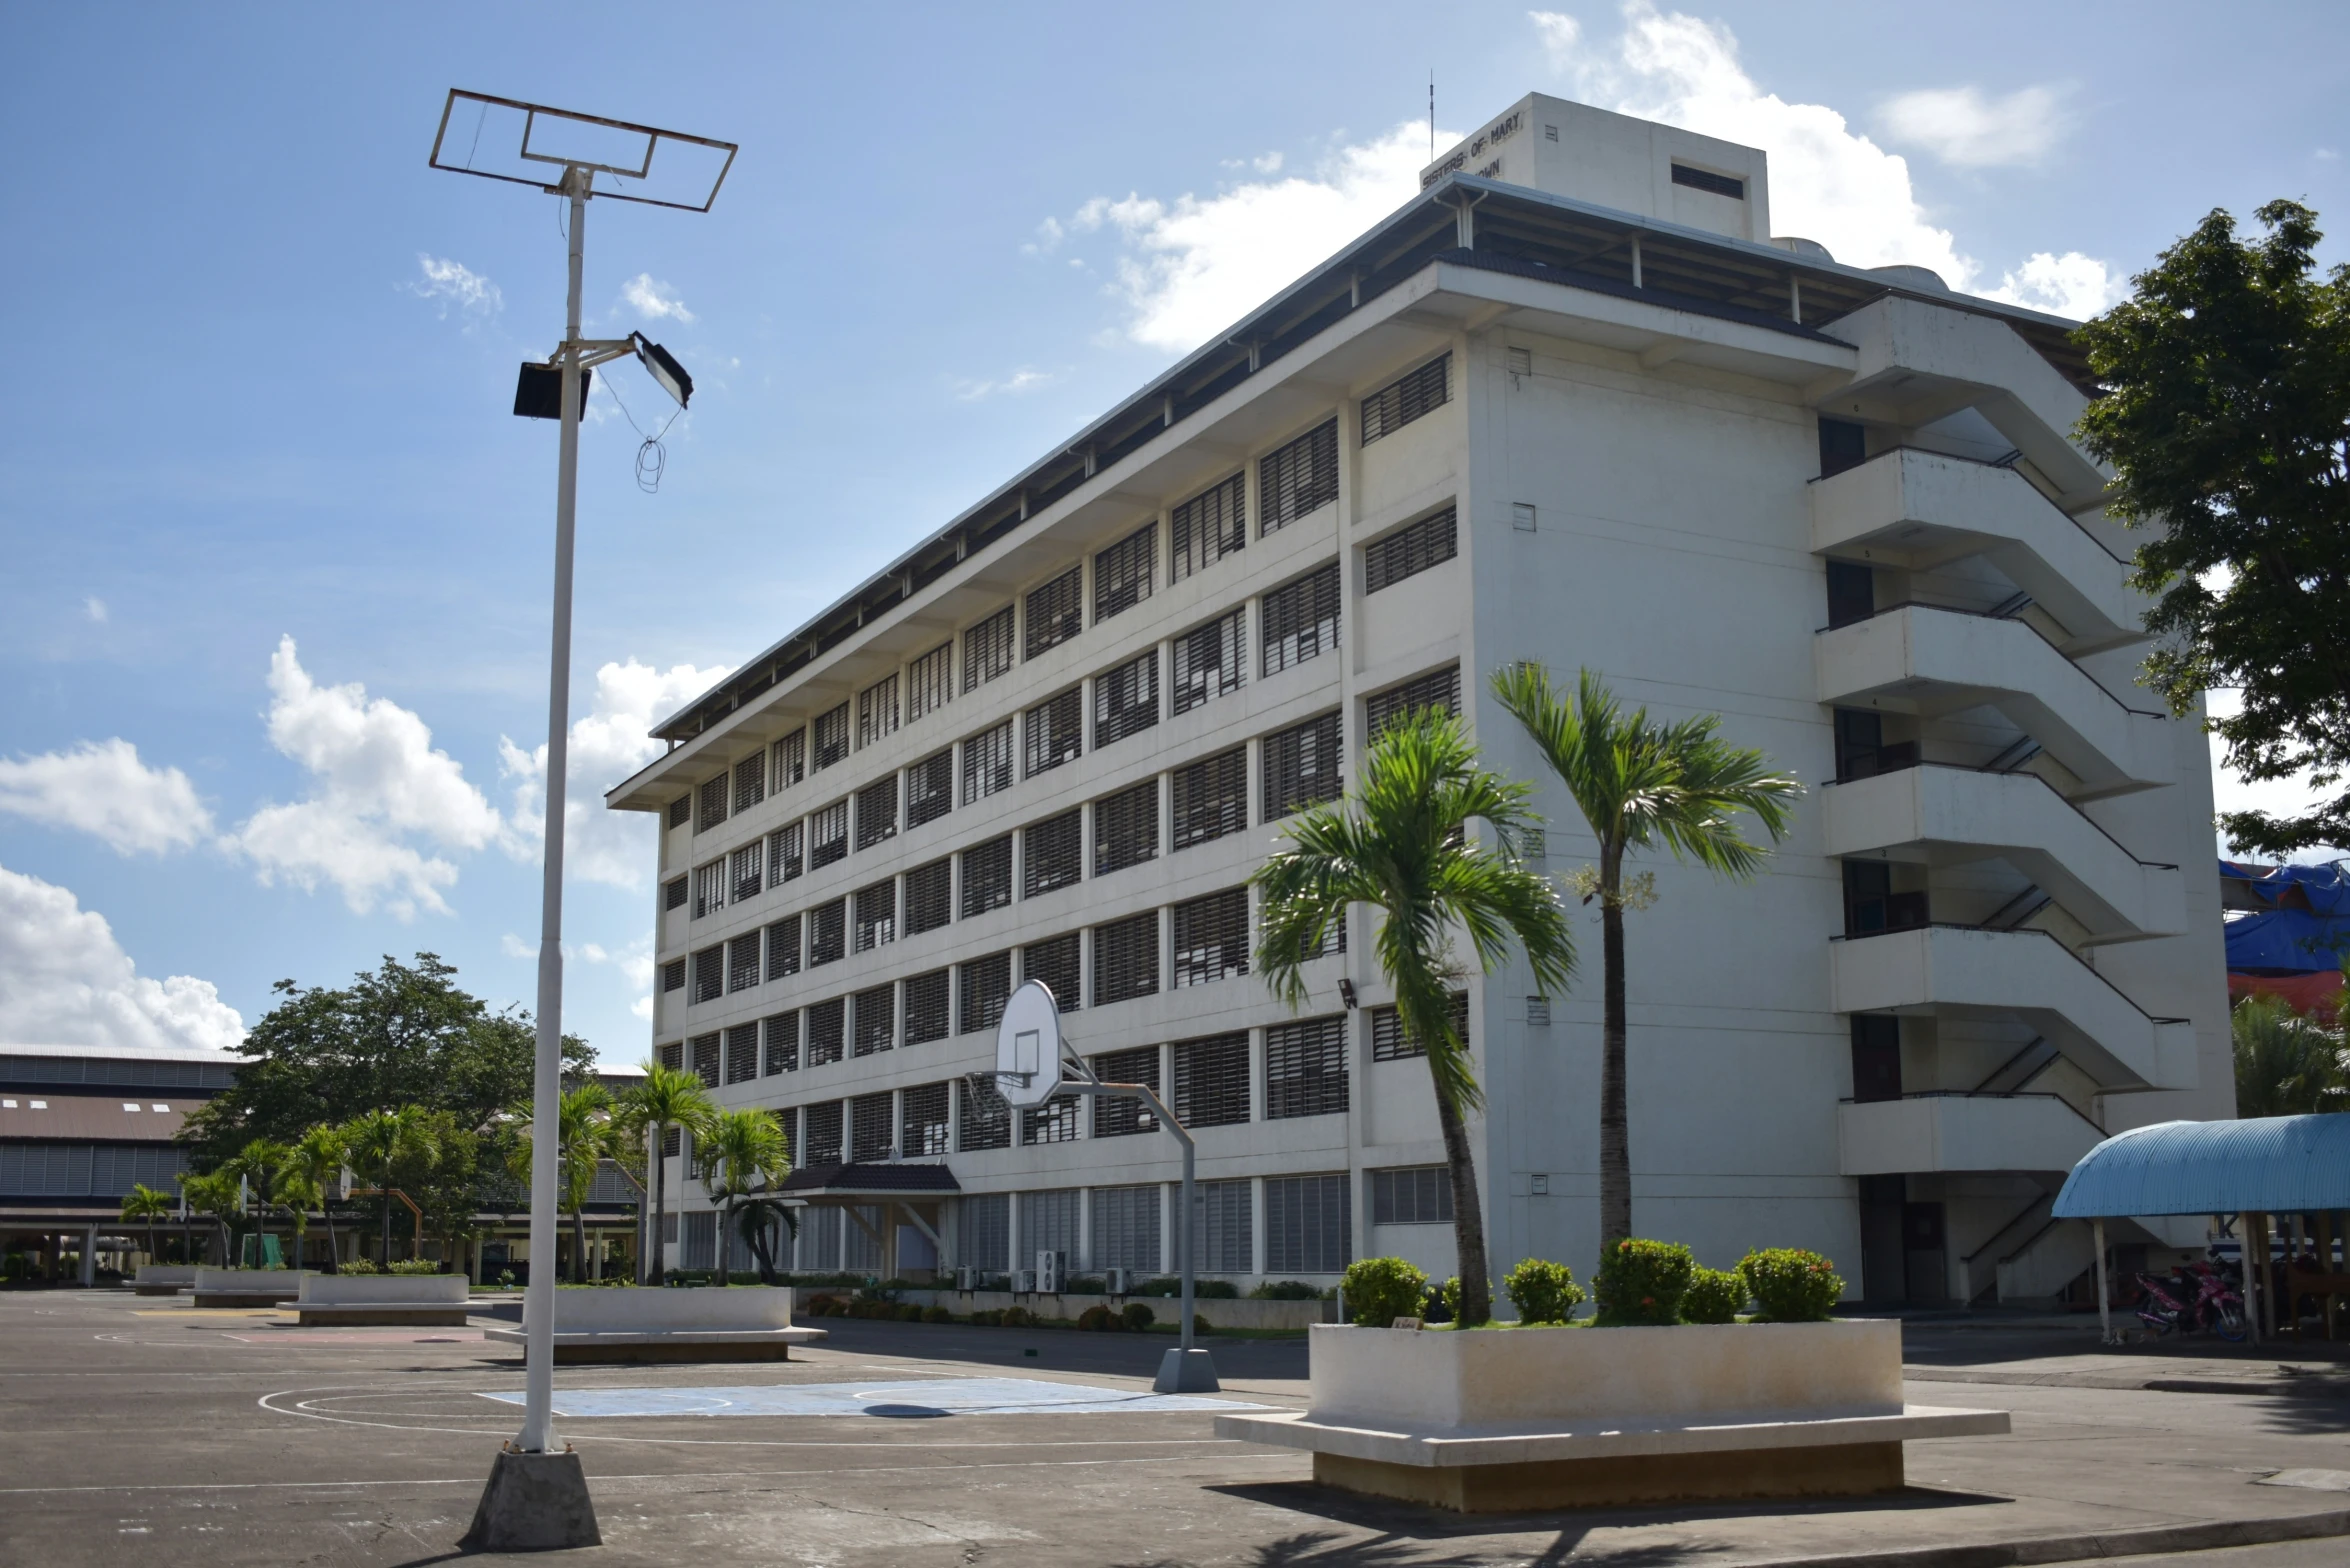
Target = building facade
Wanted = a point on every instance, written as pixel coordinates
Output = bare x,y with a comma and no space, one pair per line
1573,404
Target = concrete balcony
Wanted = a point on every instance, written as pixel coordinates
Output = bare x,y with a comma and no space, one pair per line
2026,975
1918,510
1961,1132
1929,661
1938,816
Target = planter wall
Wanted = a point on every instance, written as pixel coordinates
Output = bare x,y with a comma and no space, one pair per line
629,1309
334,1290
249,1282
1220,1314
166,1274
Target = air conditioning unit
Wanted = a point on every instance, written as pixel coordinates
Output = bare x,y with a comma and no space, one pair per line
1024,1282
1120,1281
966,1278
1050,1267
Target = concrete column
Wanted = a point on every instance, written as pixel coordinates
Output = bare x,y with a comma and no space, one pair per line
1081,1258
90,1257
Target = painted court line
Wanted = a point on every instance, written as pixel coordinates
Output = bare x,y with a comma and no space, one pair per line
961,1396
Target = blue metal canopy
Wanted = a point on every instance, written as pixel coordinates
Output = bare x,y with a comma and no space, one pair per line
2267,1164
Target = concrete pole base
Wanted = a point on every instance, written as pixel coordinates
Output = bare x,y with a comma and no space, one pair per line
534,1503
1187,1372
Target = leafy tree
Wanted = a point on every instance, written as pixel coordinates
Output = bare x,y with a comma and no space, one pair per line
2286,1064
746,1158
144,1203
215,1193
1399,844
585,1134
313,1162
450,1186
2226,417
667,1097
260,1165
384,1146
1640,783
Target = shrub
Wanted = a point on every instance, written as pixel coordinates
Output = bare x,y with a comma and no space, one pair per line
821,1306
988,1317
1138,1317
1642,1282
937,1315
1791,1285
358,1266
1285,1290
1715,1296
414,1266
1097,1320
1200,1325
907,1312
1018,1317
1380,1290
1085,1285
1543,1292
1443,1303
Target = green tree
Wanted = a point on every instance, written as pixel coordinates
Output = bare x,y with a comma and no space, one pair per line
451,1184
1399,844
215,1193
385,1145
261,1166
2286,1064
1640,783
745,1157
143,1204
668,1097
314,1161
2226,417
584,1135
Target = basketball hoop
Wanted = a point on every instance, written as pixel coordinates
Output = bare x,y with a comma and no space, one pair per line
1028,1047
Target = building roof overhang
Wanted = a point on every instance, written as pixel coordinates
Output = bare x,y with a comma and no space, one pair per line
892,1180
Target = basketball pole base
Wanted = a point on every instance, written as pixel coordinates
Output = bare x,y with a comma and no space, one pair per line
534,1503
1187,1372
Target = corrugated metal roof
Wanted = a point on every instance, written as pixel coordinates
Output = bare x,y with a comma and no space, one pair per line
2267,1164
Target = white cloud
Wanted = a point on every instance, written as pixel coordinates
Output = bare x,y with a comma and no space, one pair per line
453,283
1025,379
1968,129
654,300
642,1009
103,789
2071,285
95,608
64,980
2279,797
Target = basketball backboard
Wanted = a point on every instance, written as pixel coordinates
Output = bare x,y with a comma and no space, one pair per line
1028,1047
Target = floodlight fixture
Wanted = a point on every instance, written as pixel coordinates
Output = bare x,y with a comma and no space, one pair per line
663,367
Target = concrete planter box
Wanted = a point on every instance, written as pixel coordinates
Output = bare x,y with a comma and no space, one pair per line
246,1287
1543,1418
1166,1309
163,1279
437,1300
631,1323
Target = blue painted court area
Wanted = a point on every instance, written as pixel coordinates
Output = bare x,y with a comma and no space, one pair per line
926,1397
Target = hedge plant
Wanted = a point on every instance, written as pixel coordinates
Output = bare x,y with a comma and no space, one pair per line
1641,1283
1791,1285
1380,1290
1714,1296
1543,1292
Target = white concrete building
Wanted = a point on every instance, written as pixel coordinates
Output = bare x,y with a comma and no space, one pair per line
1574,403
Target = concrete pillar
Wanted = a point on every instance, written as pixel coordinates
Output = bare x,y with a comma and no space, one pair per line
90,1257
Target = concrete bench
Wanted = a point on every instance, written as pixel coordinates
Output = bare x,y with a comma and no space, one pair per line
420,1300
163,1279
246,1287
629,1323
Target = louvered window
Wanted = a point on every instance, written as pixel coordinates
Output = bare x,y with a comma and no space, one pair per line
828,932
1055,730
1120,1117
926,1007
672,1056
713,804
1126,828
1055,1121
1211,1081
1405,399
1410,551
746,872
1209,527
779,1036
877,812
876,916
1300,621
1052,854
750,783
1126,699
984,1225
681,810
1126,959
710,973
791,760
1211,798
1305,1067
1225,1217
1211,937
1126,1228
1301,767
709,888
1122,574
986,984
987,876
828,835
1055,962
987,1119
824,1133
930,681
673,975
783,947
1300,478
877,710
1441,691
742,962
1390,1043
784,860
987,763
1309,1225
827,1032
1056,612
987,650
930,896
1211,661
742,1053
1333,941
704,1049
923,1133
832,737
876,1021
673,893
1411,1195
930,788
1048,1223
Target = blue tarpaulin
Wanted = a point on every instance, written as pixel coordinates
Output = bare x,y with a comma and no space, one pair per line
2302,924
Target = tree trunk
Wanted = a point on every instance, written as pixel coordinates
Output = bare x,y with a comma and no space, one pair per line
579,1266
1615,1141
1468,1217
656,1269
334,1251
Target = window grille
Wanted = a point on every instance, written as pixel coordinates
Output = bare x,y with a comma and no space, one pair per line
1121,1117
1055,962
1224,1226
710,973
1309,1225
930,788
930,681
1301,477
1123,573
742,962
1126,1228
746,872
1211,1081
876,916
1055,1121
1411,1195
860,1245
1048,1223
750,783
791,760
1056,612
705,1049
877,711
1208,527
697,1245
832,737
876,1020
1301,767
1055,731
926,1007
869,1127
1052,853
930,896
1211,937
1210,662
709,888
987,650
1333,941
985,1231
877,812
672,1055
780,1043
1126,828
1389,1041
823,1134
987,1119
1211,798
1300,621
742,1053
1441,691
713,804
987,876
828,835
783,947
681,810
673,975
1126,959
1126,699
1707,180
673,893
784,860
923,1129
827,932
1407,398
1410,551
1305,1067
986,985
827,1033
987,763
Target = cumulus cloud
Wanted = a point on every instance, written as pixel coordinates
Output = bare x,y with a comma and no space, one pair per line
1025,379
654,300
102,788
2071,285
64,980
455,286
95,608
1968,129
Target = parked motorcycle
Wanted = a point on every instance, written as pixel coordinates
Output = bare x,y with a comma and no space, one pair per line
2194,1298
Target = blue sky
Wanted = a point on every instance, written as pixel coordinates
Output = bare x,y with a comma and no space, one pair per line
273,617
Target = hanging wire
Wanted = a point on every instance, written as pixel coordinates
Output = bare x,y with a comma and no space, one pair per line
652,457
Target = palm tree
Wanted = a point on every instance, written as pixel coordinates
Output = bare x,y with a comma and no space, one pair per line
1640,783
584,1135
261,1165
1399,845
2286,1064
381,1141
746,1157
315,1160
144,1203
215,1193
667,1097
